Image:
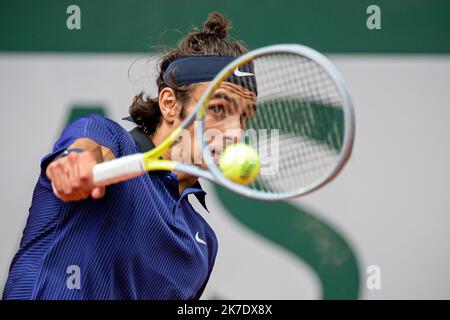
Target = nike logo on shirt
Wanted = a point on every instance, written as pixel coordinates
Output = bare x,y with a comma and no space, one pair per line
197,238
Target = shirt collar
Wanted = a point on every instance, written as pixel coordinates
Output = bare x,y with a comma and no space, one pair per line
145,144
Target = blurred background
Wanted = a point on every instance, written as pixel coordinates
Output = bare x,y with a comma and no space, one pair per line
379,231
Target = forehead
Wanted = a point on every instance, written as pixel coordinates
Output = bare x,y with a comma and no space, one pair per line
231,90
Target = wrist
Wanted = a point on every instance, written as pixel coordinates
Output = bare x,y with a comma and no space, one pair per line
67,152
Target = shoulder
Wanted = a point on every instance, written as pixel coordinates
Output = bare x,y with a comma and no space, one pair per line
103,130
98,121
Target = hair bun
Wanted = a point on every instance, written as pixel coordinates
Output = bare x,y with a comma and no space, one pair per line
217,24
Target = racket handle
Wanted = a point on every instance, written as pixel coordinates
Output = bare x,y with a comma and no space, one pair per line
117,170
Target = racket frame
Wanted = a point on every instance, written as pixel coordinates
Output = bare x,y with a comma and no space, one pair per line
349,121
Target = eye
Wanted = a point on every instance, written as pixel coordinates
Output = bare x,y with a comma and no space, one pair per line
217,108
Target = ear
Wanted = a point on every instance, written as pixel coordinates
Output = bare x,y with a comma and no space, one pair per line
168,105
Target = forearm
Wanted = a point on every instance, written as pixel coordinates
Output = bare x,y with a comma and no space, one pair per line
101,153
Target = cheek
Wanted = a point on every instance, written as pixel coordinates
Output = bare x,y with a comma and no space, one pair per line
188,109
195,145
212,122
214,129
231,122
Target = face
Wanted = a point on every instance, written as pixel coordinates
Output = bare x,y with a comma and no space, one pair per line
226,117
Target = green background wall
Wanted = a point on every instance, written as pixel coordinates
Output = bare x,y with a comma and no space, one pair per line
416,26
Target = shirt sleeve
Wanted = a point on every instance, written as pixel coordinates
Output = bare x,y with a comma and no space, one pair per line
98,128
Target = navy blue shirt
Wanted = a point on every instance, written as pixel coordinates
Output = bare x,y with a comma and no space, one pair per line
143,240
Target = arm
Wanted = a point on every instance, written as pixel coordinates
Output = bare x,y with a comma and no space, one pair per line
71,176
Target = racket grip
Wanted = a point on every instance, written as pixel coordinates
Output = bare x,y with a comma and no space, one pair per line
117,170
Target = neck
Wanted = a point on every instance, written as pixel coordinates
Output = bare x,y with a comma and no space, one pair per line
185,181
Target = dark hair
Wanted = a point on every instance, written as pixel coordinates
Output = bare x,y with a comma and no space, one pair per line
145,111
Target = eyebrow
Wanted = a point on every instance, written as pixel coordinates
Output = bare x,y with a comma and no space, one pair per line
220,95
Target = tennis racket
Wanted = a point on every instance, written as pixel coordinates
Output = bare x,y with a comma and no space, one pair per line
303,109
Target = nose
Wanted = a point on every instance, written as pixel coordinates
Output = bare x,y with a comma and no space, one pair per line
233,132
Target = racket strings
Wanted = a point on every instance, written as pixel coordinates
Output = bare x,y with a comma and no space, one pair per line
298,100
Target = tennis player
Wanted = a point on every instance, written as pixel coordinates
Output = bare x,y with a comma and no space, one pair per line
139,239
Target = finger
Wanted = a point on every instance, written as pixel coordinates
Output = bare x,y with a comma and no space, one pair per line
65,182
86,164
49,172
52,175
81,189
72,174
59,181
98,193
55,191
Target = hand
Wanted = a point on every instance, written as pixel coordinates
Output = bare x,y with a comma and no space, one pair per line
71,176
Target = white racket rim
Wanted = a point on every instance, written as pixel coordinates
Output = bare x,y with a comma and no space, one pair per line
347,106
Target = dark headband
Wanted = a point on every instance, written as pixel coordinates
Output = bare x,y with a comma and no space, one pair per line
195,69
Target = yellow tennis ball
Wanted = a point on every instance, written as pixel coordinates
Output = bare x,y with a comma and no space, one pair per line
239,162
